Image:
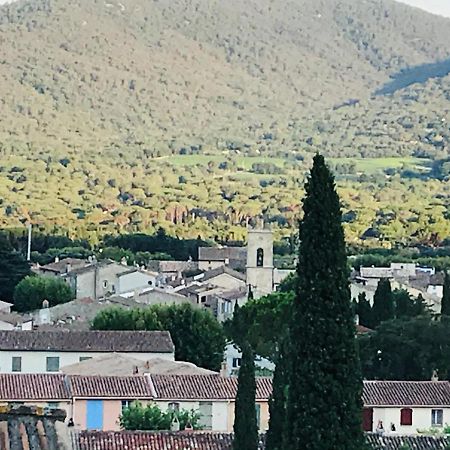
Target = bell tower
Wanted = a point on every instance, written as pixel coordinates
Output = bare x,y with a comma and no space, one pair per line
260,260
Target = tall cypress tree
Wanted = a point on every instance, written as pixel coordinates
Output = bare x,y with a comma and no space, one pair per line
383,303
445,304
324,398
245,426
277,402
364,311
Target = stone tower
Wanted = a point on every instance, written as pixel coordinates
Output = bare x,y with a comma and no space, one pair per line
260,260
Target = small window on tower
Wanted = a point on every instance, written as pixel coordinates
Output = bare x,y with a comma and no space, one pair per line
260,257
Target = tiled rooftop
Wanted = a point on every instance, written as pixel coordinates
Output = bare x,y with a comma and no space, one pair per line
89,440
42,386
25,428
406,393
134,440
88,341
132,387
377,442
198,387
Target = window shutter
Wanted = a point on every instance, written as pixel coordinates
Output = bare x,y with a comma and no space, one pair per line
406,416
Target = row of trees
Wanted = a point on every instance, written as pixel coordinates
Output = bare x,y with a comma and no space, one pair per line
388,305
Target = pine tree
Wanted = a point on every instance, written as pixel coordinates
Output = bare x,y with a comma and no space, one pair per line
445,304
383,303
364,311
245,426
324,398
277,403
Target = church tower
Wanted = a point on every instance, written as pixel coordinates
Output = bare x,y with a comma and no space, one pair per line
260,260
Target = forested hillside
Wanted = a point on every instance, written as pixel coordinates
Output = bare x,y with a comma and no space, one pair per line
126,115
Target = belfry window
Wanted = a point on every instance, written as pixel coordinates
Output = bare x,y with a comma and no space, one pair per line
260,257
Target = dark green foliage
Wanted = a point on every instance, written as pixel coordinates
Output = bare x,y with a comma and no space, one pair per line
151,418
263,322
383,303
33,290
197,335
445,305
277,403
245,424
324,399
13,268
409,349
161,242
405,305
364,311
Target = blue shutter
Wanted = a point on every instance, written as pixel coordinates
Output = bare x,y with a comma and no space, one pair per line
94,415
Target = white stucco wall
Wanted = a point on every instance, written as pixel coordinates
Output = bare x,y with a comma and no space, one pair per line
421,419
26,326
36,362
220,412
135,280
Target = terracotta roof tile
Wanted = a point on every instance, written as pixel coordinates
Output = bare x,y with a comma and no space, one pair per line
411,442
132,440
406,393
41,386
31,428
199,387
88,341
110,386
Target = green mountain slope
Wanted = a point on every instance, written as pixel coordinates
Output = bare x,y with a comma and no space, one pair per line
197,114
79,74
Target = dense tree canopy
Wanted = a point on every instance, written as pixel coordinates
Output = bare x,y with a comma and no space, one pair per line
408,349
13,269
197,335
33,290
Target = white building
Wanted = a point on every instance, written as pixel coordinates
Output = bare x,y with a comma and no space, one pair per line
106,278
411,406
48,351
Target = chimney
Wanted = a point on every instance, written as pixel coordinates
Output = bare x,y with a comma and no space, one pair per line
435,376
68,267
56,259
224,370
44,313
188,427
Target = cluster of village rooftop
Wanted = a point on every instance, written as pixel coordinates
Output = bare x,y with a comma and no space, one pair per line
50,359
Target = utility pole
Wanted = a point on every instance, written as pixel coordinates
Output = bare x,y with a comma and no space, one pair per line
29,242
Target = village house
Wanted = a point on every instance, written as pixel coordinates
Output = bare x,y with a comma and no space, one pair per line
48,351
210,258
213,396
15,321
61,266
411,406
106,278
96,402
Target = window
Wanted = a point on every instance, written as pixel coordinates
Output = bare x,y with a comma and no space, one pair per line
52,363
203,298
259,257
126,404
52,405
236,363
406,417
17,364
437,417
105,284
174,407
258,415
85,358
205,412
